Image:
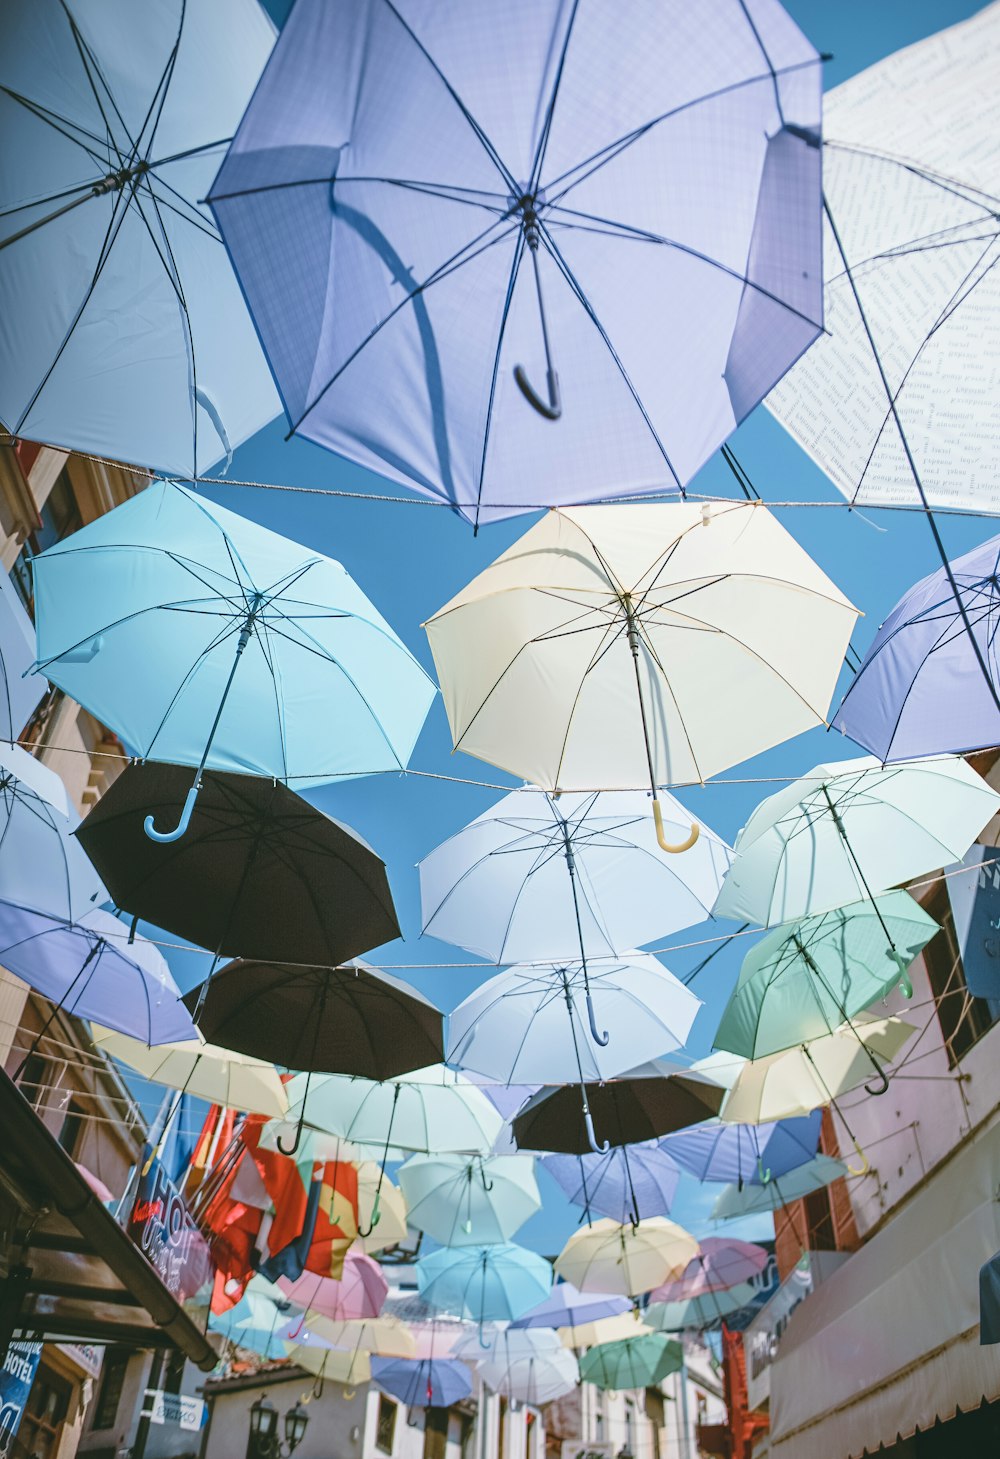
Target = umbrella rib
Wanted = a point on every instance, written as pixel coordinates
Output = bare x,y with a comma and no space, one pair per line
263,638
543,141
611,228
464,255
164,84
508,299
88,60
60,124
484,140
224,633
952,185
589,310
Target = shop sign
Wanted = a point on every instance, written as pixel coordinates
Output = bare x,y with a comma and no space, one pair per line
763,1335
162,1227
87,1358
174,1408
16,1378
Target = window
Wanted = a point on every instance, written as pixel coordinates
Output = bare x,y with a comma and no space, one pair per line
819,1221
72,1127
963,1019
502,1432
656,1416
385,1432
435,1433
32,1079
110,1392
59,516
44,1414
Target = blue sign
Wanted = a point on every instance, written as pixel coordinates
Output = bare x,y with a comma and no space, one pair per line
975,908
16,1378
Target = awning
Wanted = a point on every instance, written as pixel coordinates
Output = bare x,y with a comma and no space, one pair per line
891,1341
67,1269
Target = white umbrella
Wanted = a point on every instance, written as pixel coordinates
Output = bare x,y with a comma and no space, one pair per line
463,1200
532,1378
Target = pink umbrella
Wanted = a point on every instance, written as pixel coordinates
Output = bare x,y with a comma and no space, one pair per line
436,1339
359,1294
721,1263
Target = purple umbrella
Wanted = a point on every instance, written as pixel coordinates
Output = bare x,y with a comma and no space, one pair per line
722,1262
628,1183
921,690
89,968
423,1382
566,1306
746,1154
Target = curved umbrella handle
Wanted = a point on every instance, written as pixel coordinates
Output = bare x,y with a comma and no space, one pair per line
865,1166
905,986
879,1088
661,838
764,1175
347,1394
376,1216
551,410
599,1038
182,825
588,1120
294,1146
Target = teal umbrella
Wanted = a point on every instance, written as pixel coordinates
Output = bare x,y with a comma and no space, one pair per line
807,978
463,1200
204,639
633,1362
812,1176
698,1312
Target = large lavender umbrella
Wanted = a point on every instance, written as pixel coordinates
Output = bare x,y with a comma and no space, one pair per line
746,1154
410,181
628,1183
920,690
721,1263
567,1306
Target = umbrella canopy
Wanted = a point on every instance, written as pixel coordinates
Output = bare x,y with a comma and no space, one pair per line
504,1344
423,1382
469,1202
537,876
20,690
261,873
609,623
732,1201
920,689
567,1306
807,978
123,330
745,1153
204,639
41,865
485,1283
850,829
386,1336
90,969
698,1312
202,1070
628,1183
432,1109
466,169
643,1104
721,1263
535,1379
798,1080
360,1293
607,1257
603,1329
636,1362
351,1020
528,1024
258,1323
911,171
339,1365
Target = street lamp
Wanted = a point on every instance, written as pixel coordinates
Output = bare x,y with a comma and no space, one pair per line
264,1441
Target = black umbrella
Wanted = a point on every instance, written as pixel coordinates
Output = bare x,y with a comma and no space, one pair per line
260,873
643,1104
353,1020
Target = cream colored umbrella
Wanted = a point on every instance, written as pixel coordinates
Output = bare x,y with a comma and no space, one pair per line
618,647
340,1365
630,1260
390,1228
605,1329
386,1336
222,1076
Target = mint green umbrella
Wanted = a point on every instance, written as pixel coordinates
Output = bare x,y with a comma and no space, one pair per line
634,1362
752,1199
697,1312
809,977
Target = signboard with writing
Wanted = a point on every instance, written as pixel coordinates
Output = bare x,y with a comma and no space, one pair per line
84,1356
162,1227
16,1378
975,909
174,1408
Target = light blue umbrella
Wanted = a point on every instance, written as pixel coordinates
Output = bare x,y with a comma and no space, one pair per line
747,1154
484,1283
42,865
123,330
627,1183
260,1322
464,1200
423,1382
19,696
204,639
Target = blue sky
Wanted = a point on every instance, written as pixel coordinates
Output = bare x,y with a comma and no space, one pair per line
411,558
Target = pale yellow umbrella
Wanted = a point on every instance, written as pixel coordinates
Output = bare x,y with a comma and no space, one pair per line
386,1336
390,1228
222,1076
607,1257
817,1072
604,1329
617,647
338,1364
